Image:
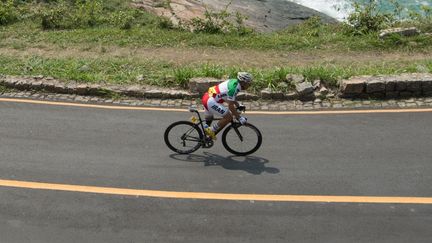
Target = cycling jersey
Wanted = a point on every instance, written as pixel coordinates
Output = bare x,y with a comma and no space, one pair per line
225,91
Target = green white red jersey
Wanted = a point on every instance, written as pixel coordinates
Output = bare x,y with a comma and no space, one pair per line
225,91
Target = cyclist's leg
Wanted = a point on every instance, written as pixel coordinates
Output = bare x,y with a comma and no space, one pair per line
219,110
208,116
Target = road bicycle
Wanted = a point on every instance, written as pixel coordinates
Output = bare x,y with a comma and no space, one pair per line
185,137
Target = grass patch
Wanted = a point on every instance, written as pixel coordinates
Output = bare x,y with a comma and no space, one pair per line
126,71
29,35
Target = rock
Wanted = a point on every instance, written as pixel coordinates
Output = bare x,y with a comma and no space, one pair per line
84,68
316,84
427,86
323,91
243,95
94,89
375,86
304,88
135,91
201,85
401,31
263,16
282,86
291,96
330,95
305,91
353,86
401,86
154,93
295,78
140,78
390,85
81,89
266,93
422,68
392,94
414,85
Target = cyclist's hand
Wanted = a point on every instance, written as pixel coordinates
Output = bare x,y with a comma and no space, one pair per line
243,120
241,108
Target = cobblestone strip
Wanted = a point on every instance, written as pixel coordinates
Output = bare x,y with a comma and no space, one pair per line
257,105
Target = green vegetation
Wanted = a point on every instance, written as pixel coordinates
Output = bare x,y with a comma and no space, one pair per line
82,25
127,71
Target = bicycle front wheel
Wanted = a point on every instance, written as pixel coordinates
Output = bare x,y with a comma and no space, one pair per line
241,139
183,137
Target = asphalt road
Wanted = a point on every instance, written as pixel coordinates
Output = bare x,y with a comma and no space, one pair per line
381,155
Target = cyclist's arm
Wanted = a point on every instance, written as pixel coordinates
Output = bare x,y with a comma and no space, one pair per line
232,106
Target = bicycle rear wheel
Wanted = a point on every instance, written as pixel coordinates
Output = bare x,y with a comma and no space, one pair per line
183,137
241,139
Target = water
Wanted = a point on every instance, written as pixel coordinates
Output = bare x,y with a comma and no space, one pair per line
340,9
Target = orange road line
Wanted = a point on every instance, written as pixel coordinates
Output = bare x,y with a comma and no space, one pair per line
214,196
113,107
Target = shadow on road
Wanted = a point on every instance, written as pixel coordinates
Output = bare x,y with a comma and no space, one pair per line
251,164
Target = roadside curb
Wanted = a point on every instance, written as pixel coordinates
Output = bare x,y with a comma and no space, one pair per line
51,85
49,89
253,106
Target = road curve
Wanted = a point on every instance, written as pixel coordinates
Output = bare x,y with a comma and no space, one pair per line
368,155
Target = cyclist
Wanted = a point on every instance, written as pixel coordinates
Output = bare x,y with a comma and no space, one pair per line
214,98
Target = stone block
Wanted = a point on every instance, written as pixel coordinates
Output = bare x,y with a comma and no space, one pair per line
390,85
135,91
278,95
427,86
291,96
81,89
266,94
401,86
406,94
378,95
414,85
153,94
375,86
353,86
201,85
304,89
36,85
94,89
307,97
246,96
392,94
23,84
401,31
60,88
49,85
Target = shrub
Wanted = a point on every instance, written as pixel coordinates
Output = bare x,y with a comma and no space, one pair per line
368,18
123,19
423,18
87,13
79,14
57,17
8,13
220,22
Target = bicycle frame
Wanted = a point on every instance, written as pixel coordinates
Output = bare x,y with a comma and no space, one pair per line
195,110
209,143
205,141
